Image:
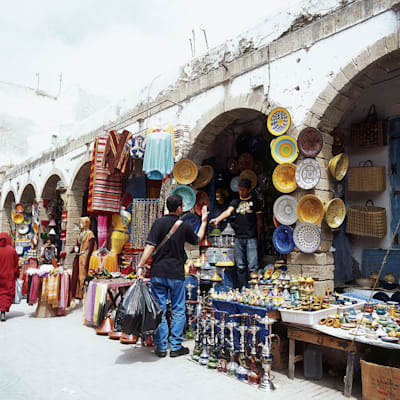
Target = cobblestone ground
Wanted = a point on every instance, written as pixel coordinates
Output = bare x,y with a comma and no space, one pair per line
60,358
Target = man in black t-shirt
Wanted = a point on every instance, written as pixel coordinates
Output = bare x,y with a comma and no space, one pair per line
167,275
247,226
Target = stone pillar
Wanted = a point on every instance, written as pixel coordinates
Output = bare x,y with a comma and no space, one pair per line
319,265
74,208
4,224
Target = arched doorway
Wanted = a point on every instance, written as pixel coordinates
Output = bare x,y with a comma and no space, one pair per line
6,212
28,195
351,94
231,142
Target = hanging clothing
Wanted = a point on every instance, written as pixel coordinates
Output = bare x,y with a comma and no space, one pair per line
81,262
99,261
9,271
137,146
116,153
158,158
104,189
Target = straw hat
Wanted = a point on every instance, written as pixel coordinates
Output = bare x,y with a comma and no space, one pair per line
335,212
251,176
185,171
284,177
338,166
204,176
310,209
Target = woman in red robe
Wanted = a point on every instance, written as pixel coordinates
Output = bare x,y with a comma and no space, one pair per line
9,272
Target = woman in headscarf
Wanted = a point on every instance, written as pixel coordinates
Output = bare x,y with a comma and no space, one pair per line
9,272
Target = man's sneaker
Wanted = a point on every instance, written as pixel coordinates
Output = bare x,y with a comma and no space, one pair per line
180,352
160,353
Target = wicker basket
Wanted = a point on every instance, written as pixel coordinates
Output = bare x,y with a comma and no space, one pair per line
367,178
371,133
366,220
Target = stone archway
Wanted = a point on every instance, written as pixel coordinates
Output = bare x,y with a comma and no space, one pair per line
5,213
28,194
79,184
49,188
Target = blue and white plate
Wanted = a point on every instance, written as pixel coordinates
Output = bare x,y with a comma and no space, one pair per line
307,237
282,238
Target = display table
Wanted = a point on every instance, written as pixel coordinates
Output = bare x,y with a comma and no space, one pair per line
311,335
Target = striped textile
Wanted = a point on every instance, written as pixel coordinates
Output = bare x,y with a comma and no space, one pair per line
104,190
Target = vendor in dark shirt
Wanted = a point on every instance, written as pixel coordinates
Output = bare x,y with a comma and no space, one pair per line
167,274
247,226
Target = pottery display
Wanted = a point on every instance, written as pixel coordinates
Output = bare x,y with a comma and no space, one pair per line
310,209
284,149
310,142
285,210
283,178
278,121
308,173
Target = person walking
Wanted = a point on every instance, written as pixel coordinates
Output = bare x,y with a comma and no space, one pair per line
165,243
247,226
9,272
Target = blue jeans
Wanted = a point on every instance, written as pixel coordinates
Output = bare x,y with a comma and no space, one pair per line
174,289
246,257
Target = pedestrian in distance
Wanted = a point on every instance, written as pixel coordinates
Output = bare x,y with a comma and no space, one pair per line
9,272
165,243
247,226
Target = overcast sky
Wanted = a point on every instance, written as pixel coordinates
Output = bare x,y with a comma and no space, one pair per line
111,47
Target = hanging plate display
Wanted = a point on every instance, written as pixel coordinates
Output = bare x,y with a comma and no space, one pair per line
284,149
234,185
284,179
185,171
188,196
338,142
278,121
282,238
205,174
18,218
285,210
27,220
338,166
335,212
310,209
338,189
310,142
308,173
23,229
307,237
19,208
245,161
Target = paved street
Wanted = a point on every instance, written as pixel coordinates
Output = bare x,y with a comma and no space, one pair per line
60,358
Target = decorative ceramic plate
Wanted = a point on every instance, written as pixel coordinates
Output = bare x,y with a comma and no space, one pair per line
338,142
19,208
284,179
251,176
18,218
204,176
284,149
234,185
245,161
285,210
282,238
308,173
338,189
307,237
275,275
232,166
310,209
23,229
278,121
188,196
27,220
310,142
185,171
338,166
335,213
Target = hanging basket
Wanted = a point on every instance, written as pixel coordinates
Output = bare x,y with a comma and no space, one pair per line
370,133
367,220
367,178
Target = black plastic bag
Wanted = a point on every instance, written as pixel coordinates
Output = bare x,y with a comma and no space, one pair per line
139,312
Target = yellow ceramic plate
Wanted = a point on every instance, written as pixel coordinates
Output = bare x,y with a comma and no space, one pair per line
275,275
338,166
310,209
284,178
335,212
278,121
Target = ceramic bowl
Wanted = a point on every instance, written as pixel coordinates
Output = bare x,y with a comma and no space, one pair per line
278,121
283,178
335,213
188,196
338,166
284,149
282,239
310,142
185,171
285,210
307,237
310,209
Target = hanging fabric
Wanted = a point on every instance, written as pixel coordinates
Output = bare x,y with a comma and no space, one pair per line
116,152
137,146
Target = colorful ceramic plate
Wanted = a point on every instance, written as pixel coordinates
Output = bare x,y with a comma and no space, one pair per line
285,210
251,176
310,142
310,209
278,121
308,173
307,237
284,149
185,171
284,179
19,208
335,213
234,185
23,229
35,227
27,220
18,218
282,238
188,196
275,275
